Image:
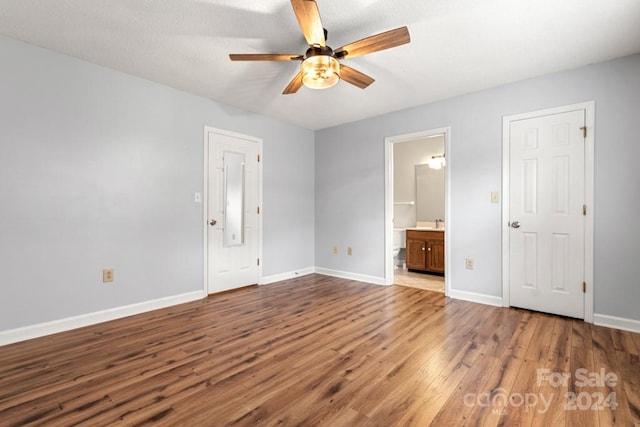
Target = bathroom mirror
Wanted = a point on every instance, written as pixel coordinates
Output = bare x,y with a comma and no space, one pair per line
429,193
233,198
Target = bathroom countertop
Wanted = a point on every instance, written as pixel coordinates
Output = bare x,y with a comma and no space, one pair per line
425,229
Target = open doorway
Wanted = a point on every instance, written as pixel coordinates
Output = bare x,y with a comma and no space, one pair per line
416,202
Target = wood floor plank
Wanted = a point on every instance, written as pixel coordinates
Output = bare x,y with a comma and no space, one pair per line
314,350
581,359
515,412
558,363
605,358
629,378
487,411
623,341
491,342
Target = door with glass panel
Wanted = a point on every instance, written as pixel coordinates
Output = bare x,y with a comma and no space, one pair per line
232,211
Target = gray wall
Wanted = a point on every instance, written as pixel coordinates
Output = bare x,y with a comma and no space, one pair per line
350,180
99,169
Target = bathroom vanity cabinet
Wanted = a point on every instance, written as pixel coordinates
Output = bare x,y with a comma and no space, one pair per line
425,250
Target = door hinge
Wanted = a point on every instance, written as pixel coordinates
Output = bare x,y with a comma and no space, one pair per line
584,210
258,210
584,287
258,261
584,131
258,158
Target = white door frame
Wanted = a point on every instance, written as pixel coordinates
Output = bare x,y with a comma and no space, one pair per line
589,108
205,200
388,199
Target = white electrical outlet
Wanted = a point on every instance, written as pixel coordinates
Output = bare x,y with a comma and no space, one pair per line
469,263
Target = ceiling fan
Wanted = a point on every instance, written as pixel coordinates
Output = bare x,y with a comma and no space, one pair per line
320,67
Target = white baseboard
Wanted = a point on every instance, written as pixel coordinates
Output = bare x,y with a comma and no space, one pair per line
61,325
625,324
475,297
351,276
288,275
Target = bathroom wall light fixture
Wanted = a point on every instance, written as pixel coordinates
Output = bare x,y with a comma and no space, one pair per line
437,162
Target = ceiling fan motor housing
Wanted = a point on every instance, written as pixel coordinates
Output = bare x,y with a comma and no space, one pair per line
318,50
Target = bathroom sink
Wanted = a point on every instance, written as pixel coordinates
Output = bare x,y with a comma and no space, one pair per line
430,225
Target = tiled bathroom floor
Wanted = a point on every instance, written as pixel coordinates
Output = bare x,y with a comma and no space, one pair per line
418,280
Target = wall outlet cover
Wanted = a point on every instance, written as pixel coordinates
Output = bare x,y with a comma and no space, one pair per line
107,275
469,263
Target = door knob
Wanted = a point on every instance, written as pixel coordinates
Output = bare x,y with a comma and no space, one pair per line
213,222
515,224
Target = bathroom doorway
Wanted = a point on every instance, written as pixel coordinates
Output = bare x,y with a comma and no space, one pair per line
416,206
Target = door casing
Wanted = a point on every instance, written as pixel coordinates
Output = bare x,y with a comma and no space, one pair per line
388,198
589,108
205,200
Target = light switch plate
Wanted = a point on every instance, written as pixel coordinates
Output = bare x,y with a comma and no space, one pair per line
495,197
197,198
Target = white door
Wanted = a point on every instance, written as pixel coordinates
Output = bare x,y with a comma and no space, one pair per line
546,218
232,211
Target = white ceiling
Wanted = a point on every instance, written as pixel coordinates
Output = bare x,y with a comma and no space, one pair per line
457,46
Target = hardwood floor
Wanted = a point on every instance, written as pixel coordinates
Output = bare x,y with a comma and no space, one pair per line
413,279
318,350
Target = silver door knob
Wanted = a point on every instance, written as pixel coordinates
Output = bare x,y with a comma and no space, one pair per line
213,222
515,224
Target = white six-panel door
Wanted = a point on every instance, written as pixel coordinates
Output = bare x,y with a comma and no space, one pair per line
546,218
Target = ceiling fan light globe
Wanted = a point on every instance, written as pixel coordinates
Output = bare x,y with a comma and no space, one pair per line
320,71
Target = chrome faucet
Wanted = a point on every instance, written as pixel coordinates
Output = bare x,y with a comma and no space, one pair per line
438,221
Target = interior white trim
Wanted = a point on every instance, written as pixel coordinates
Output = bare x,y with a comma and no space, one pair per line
62,325
205,200
388,200
288,275
475,297
589,108
351,276
615,322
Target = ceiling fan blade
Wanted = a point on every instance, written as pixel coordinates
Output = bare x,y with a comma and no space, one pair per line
308,17
375,43
265,57
294,84
355,77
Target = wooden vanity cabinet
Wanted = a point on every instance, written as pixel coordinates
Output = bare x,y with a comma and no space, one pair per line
425,250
